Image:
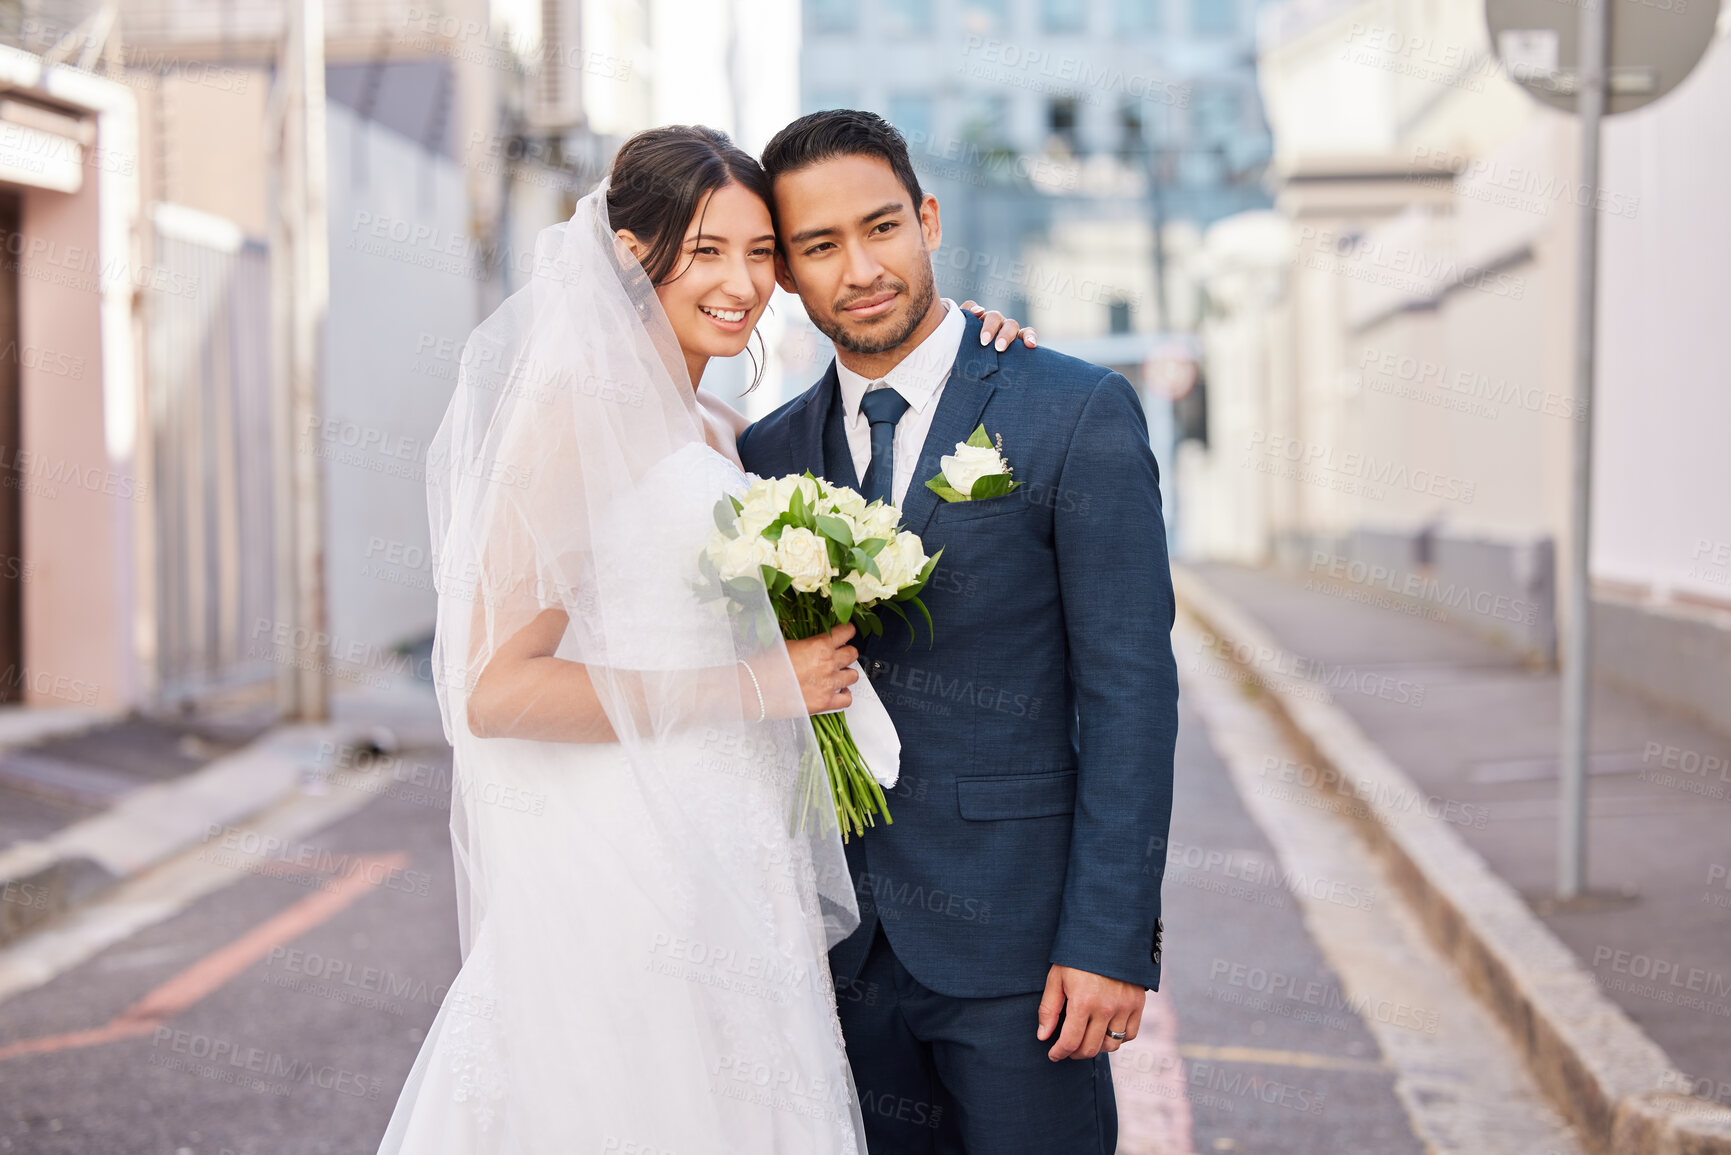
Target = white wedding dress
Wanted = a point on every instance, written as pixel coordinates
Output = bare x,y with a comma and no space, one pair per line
644,927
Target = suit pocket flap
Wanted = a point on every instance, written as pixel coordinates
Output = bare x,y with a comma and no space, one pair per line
955,511
1016,795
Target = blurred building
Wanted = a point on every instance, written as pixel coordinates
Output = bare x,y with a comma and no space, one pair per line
1060,138
143,426
164,586
73,498
1389,353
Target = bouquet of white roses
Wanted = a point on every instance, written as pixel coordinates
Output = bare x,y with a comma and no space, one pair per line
825,556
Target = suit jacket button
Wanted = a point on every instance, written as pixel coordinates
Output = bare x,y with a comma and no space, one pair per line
875,667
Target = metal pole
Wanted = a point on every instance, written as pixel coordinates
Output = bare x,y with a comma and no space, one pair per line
285,437
312,297
1577,648
301,288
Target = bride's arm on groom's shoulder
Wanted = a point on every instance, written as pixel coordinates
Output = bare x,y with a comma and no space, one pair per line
525,691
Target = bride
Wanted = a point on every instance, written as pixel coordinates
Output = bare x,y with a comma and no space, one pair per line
644,929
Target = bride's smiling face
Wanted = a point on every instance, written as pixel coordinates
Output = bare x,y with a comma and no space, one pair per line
723,276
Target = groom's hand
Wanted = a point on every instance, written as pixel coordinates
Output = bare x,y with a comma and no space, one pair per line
1092,1004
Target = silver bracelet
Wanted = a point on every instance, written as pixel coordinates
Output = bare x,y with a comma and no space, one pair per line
762,713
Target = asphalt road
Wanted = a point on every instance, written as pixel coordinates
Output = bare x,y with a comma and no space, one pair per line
279,1014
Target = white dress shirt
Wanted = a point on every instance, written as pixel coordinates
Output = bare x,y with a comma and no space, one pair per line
920,379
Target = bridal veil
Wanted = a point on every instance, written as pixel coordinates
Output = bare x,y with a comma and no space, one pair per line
644,924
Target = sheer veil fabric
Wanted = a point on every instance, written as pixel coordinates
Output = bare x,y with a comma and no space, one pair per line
643,924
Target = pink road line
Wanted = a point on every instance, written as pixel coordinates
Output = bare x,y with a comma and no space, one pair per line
1148,1077
216,968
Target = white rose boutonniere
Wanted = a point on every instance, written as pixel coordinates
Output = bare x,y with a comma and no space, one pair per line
975,471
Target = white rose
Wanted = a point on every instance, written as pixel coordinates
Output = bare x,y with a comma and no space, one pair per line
868,589
781,491
759,509
880,521
901,560
803,556
848,504
741,556
969,463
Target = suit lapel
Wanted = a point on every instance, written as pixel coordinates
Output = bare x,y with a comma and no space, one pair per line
964,398
806,448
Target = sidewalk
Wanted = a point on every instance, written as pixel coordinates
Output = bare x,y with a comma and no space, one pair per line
88,800
1477,732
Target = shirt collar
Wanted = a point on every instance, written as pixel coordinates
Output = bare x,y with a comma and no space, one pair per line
918,375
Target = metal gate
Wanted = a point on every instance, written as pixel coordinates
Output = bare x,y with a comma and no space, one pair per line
209,337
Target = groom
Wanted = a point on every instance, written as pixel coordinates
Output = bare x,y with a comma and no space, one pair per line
1010,917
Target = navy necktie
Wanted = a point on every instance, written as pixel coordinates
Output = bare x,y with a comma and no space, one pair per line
883,408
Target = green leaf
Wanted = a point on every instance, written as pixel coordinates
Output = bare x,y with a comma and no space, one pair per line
992,485
727,516
873,545
772,531
841,595
940,487
896,610
979,440
743,587
836,530
863,562
738,505
931,631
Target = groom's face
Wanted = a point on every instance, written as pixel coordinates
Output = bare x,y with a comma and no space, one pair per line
857,250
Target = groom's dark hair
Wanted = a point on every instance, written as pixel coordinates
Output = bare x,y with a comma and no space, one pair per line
834,132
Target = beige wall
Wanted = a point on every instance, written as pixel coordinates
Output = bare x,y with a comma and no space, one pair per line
1663,503
1497,409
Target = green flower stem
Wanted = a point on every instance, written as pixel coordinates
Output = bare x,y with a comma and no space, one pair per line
858,797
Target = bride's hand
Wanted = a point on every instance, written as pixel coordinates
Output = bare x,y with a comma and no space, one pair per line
821,665
1004,327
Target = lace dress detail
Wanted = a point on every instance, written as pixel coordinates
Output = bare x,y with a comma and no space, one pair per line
472,1008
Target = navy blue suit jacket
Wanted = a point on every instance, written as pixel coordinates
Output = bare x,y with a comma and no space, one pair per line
1038,723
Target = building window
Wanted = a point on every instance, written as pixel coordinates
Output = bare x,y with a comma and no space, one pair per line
1139,17
908,17
830,16
1061,122
1118,316
1216,116
1064,15
1213,17
913,116
982,17
1131,141
986,120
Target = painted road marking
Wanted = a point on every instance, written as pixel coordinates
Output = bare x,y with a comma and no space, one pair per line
1148,1081
1278,1058
216,968
164,891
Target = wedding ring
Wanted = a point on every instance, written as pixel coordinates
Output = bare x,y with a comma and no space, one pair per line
1119,1035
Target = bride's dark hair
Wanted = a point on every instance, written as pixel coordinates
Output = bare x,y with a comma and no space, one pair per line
659,178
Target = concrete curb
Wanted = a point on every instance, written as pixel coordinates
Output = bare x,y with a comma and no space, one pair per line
48,877
1614,1083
